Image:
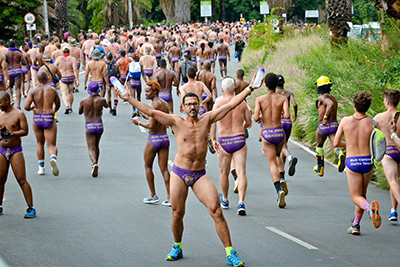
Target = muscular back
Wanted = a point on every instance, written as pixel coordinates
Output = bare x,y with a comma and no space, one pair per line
232,124
44,97
327,103
165,78
271,107
158,128
359,131
92,108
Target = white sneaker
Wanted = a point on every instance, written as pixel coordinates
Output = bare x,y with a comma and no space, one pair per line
166,202
95,170
54,167
40,170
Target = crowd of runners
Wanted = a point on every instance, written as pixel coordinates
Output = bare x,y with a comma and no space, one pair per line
186,57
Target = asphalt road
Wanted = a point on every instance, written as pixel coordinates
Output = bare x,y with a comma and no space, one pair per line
85,221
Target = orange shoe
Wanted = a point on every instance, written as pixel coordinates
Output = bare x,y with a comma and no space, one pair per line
374,214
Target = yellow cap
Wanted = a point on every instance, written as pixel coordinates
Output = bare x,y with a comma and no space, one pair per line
323,80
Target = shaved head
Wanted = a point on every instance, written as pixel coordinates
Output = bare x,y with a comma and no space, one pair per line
42,76
4,95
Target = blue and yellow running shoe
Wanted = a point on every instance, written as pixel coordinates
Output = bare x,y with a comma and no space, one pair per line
234,260
175,254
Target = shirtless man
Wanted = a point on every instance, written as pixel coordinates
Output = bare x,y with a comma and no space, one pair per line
157,144
43,100
3,73
287,127
196,87
135,83
193,53
26,71
203,54
181,74
166,78
212,55
223,56
51,70
92,108
15,61
173,56
36,62
328,125
98,71
269,109
191,133
357,130
57,53
70,76
76,52
210,81
159,50
15,126
231,144
86,47
3,50
148,62
50,48
391,161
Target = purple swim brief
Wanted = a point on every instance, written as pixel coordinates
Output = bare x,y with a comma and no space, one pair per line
34,67
202,61
10,151
68,79
159,140
233,143
52,84
94,127
100,83
135,83
122,78
43,121
166,96
286,125
274,136
194,59
329,129
222,58
78,66
202,110
24,69
1,79
360,164
174,59
158,55
212,60
393,152
148,72
189,177
204,95
14,73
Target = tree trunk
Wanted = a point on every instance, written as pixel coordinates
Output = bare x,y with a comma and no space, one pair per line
213,6
176,10
61,9
222,5
338,14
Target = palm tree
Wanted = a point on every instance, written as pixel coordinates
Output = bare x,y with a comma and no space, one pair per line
338,14
61,10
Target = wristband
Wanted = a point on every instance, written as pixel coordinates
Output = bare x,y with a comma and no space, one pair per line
139,122
249,90
393,135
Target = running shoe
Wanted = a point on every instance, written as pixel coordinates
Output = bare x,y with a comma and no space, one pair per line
341,160
241,209
175,254
284,186
246,133
70,110
234,260
211,146
281,199
40,170
374,214
151,200
66,110
236,188
54,167
292,165
95,170
30,213
224,203
354,230
1,210
166,202
76,90
393,216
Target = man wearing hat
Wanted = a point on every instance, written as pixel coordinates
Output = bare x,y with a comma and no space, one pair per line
92,107
70,76
328,125
97,70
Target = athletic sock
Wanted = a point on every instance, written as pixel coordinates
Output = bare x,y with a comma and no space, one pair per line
319,150
240,202
365,205
115,103
234,174
357,218
393,210
41,163
228,250
282,175
53,157
109,105
278,186
179,244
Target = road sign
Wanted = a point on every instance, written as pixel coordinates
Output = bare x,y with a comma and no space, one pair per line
312,14
275,22
264,8
29,18
31,27
205,9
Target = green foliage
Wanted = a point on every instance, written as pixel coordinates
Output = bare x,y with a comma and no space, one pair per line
364,12
76,19
299,7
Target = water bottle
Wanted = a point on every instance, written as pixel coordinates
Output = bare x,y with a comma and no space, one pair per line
259,76
118,85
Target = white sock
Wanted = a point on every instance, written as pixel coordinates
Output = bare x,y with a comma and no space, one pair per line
392,210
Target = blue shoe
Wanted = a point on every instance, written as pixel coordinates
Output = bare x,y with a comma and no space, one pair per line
151,200
1,210
175,254
234,260
30,213
241,209
392,217
224,204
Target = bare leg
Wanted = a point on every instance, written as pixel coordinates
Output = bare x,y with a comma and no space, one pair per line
163,154
224,162
150,153
179,192
4,166
64,93
50,134
70,94
39,133
18,167
92,141
240,162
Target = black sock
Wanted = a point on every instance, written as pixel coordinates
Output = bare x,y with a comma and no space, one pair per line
115,103
282,175
109,104
234,174
277,186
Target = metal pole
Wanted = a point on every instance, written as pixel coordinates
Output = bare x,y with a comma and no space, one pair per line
130,14
30,35
46,18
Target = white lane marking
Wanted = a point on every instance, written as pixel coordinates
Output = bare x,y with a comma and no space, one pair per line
292,238
143,130
3,263
170,163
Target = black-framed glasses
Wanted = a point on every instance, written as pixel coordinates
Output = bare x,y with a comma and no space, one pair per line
194,104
